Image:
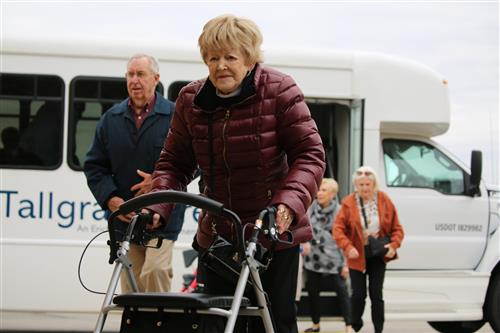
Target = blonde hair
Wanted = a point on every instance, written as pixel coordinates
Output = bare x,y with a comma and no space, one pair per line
227,32
331,183
366,171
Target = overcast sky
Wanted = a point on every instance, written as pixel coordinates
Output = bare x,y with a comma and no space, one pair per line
457,39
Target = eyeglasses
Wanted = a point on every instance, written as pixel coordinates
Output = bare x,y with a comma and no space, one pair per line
363,173
140,75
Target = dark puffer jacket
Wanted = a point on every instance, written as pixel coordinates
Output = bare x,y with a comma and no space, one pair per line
266,150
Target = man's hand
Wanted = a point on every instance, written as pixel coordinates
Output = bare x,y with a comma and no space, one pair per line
144,186
113,205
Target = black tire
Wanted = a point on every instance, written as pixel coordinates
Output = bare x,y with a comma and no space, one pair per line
492,304
457,326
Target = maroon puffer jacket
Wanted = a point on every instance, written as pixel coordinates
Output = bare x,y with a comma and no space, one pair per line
266,151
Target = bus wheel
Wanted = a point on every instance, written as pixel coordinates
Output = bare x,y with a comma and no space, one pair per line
457,326
492,304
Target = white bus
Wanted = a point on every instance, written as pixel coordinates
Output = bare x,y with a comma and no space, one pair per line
370,109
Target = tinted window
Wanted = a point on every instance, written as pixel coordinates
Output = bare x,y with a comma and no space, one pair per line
174,89
31,113
417,164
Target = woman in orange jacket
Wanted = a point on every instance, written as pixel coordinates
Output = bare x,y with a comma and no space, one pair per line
368,212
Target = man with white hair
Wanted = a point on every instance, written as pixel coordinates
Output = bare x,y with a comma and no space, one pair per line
118,167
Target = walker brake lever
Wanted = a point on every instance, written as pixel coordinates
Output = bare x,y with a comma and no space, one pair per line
141,235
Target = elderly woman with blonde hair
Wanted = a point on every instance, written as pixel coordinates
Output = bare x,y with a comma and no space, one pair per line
367,213
248,129
322,258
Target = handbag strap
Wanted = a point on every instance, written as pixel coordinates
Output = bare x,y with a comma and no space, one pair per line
363,211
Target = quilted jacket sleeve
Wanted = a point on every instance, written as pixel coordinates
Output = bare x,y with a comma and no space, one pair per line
298,135
176,165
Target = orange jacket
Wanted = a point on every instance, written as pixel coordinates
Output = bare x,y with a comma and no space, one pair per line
348,230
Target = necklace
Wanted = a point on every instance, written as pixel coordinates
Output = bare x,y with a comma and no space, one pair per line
369,209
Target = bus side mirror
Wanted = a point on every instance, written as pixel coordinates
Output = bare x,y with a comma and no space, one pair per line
476,166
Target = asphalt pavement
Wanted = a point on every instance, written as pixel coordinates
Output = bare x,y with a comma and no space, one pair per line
337,326
65,322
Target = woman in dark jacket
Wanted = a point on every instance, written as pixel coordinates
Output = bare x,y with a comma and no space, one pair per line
250,132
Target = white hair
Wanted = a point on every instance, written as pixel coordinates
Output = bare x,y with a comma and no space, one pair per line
153,63
366,171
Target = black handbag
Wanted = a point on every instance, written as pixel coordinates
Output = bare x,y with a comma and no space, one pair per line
376,246
223,258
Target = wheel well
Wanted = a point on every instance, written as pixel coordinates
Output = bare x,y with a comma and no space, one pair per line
494,275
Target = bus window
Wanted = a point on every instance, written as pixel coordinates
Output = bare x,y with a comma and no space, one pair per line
417,164
90,97
31,112
174,88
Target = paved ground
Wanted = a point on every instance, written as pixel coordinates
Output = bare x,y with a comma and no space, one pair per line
36,321
331,326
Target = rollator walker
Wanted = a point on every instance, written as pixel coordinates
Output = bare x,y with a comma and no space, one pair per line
184,312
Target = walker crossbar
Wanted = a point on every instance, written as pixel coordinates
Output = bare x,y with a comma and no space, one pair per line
171,196
169,311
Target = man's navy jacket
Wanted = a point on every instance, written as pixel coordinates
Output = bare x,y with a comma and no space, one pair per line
119,149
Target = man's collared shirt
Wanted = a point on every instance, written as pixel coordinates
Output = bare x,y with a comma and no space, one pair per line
139,118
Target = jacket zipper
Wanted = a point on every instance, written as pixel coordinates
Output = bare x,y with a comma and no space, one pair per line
224,155
224,150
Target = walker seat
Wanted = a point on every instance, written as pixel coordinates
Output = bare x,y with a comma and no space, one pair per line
176,300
